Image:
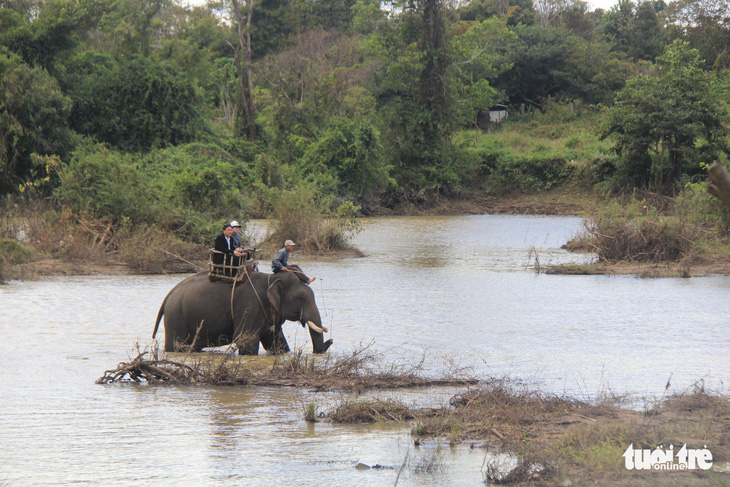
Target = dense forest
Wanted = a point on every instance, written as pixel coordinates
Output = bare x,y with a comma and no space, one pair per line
150,114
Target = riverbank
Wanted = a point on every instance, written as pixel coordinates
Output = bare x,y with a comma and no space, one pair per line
561,202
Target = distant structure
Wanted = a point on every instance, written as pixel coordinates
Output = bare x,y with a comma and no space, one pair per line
496,114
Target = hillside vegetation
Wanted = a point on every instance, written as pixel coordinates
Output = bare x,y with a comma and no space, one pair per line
133,129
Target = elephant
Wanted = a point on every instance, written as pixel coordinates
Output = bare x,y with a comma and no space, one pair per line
246,313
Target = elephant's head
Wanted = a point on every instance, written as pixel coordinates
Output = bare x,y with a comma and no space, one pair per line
294,301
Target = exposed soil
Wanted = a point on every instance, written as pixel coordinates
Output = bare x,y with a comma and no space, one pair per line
707,267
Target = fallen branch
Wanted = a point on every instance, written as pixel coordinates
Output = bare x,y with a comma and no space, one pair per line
179,258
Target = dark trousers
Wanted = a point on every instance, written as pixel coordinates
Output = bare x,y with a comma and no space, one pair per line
298,271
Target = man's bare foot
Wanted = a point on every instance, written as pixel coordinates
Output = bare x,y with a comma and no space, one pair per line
311,279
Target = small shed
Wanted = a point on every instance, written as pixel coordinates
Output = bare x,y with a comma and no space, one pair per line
487,118
497,113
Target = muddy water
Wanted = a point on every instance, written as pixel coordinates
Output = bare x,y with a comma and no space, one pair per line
439,290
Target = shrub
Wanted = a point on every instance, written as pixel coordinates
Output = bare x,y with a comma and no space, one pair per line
638,233
101,183
311,219
13,252
348,151
528,172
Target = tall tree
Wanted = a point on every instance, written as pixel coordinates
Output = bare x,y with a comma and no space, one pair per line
659,119
706,25
33,114
244,62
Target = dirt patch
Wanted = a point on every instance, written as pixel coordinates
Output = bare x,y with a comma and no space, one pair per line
719,265
556,202
95,267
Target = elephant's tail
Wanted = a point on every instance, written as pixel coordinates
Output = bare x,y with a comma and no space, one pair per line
159,317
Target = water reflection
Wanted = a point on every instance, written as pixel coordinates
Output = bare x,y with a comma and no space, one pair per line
431,289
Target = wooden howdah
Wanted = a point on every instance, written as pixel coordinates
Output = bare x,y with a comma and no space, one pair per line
233,269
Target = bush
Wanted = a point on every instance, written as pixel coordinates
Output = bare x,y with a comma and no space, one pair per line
13,252
101,183
310,219
638,233
348,151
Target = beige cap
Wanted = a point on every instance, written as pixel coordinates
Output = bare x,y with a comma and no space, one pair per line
288,242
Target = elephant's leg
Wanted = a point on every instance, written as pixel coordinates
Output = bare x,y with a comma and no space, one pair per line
275,341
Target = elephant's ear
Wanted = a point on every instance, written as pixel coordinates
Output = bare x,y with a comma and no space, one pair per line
274,294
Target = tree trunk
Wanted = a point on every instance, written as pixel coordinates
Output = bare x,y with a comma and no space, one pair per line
243,57
719,186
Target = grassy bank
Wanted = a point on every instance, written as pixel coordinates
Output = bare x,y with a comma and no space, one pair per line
556,440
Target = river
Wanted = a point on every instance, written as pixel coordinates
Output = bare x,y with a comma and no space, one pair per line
437,290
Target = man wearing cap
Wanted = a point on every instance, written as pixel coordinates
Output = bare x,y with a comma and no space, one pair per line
236,237
280,263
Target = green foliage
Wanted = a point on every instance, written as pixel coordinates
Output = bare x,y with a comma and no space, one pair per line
348,152
133,105
666,121
13,252
33,114
104,184
695,205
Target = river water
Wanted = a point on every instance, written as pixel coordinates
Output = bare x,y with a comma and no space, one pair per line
437,290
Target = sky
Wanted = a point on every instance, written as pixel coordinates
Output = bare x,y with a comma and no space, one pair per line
604,4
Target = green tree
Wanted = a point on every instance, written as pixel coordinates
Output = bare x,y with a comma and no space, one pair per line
414,98
706,25
349,153
133,105
479,53
635,29
667,121
33,115
539,66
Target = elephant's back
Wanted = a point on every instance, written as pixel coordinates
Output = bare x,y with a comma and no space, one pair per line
197,297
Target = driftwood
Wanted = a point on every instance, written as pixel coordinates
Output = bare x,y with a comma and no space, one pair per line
151,371
719,186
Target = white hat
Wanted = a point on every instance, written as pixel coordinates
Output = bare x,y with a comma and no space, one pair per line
288,242
234,223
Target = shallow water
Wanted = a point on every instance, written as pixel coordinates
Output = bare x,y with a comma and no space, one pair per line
437,289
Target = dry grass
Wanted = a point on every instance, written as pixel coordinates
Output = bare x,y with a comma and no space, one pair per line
371,411
658,239
558,439
59,242
357,371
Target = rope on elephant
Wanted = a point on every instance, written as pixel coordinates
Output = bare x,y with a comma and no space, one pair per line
255,292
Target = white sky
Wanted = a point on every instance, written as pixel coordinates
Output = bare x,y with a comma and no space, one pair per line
604,4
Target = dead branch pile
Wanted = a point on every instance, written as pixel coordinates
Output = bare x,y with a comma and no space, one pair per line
354,372
152,371
371,411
